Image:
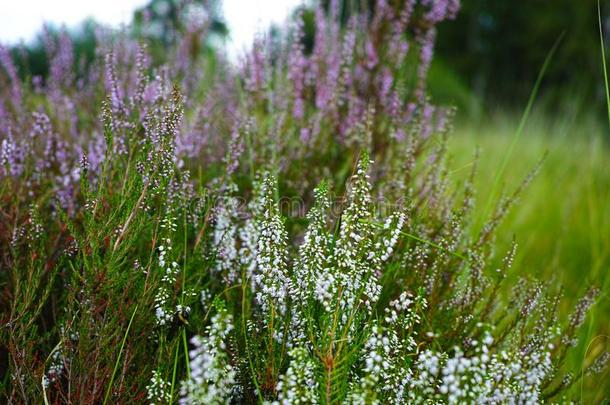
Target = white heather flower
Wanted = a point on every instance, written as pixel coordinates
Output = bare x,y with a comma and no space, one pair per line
225,237
205,297
169,223
298,385
212,378
600,364
326,288
55,369
272,279
312,277
353,250
393,225
249,234
481,377
248,238
158,391
403,313
378,374
164,311
314,249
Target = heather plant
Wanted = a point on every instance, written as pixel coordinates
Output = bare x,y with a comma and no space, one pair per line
148,256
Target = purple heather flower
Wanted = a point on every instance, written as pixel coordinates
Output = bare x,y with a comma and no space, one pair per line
255,66
112,85
439,10
305,134
6,62
12,155
426,42
371,55
42,126
297,64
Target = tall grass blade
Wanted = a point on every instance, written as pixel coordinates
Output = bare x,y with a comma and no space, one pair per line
603,49
116,364
524,118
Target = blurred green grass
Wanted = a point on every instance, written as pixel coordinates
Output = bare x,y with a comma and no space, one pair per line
562,220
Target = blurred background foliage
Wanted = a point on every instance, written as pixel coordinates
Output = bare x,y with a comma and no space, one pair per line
489,56
486,59
494,50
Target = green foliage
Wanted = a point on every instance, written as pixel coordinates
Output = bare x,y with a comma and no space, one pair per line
496,47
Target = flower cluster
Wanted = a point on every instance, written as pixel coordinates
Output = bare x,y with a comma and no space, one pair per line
158,390
354,252
225,237
212,377
272,279
313,271
55,369
482,376
298,384
163,307
377,375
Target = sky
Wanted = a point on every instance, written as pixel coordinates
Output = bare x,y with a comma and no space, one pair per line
22,19
247,17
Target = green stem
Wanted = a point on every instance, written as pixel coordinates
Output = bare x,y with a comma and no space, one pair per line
116,364
417,238
171,392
